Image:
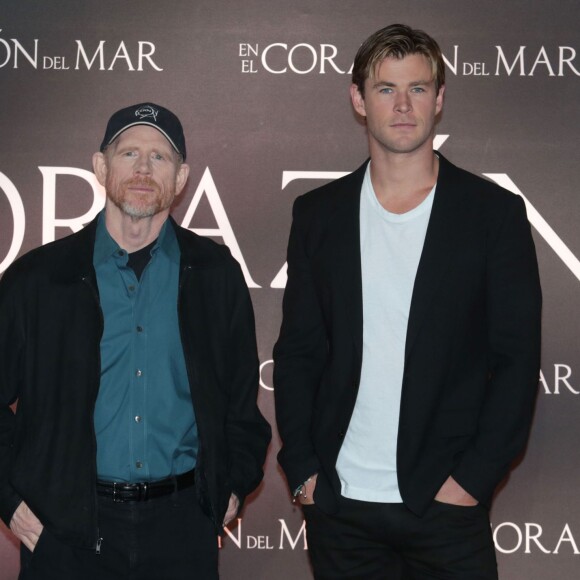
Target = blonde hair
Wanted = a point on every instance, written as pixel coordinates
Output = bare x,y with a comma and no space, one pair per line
396,41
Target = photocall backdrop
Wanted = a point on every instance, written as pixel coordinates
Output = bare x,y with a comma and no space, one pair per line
261,87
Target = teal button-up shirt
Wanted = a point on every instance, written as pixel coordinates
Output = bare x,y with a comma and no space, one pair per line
144,418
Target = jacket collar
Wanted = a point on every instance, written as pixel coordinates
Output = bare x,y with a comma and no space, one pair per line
76,252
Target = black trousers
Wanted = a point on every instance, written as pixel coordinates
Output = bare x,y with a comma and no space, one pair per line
374,541
167,538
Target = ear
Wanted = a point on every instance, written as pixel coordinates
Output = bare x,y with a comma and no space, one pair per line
181,178
100,168
358,101
439,99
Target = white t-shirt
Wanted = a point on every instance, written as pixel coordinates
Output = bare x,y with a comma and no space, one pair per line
391,246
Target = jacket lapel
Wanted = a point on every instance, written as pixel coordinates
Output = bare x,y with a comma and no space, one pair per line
344,232
440,242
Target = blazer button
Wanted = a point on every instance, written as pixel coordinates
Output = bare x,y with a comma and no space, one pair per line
341,434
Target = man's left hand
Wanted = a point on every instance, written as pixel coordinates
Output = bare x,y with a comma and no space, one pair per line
451,492
233,507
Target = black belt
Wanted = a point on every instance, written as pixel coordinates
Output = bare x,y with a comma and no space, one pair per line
128,492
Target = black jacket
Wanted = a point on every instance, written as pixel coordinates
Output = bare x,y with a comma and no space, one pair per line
50,330
472,351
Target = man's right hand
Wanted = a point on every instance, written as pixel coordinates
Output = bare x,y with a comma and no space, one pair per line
26,526
307,495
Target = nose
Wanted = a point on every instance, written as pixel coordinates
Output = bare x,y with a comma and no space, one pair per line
142,165
403,102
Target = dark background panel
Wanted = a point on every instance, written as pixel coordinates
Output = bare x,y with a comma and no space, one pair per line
248,128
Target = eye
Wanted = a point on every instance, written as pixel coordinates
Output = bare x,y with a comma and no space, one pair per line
386,90
417,90
158,157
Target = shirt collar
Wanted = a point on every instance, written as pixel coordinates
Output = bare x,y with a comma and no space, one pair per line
106,247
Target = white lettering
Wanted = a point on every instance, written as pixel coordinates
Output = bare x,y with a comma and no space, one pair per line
265,54
49,220
562,60
99,52
258,542
452,67
224,229
545,384
248,66
542,58
519,58
558,378
247,49
301,58
533,532
567,537
122,54
438,141
19,48
534,537
291,59
147,55
285,533
324,57
236,540
262,383
518,538
562,373
281,278
544,229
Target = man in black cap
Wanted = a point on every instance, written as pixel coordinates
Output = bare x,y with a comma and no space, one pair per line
130,348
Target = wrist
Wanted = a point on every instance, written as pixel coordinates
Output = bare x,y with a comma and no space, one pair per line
301,492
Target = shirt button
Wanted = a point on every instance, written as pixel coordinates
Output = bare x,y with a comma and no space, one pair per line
139,464
137,419
139,329
139,373
120,253
131,288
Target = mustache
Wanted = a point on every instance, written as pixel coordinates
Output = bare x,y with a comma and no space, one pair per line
144,181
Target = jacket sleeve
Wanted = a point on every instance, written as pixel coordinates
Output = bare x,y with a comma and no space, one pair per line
11,349
248,433
513,300
300,355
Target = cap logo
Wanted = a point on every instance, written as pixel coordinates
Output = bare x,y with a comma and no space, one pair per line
145,112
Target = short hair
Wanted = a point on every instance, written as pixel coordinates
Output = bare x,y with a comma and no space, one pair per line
396,41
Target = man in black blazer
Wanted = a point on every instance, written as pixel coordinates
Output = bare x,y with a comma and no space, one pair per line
408,358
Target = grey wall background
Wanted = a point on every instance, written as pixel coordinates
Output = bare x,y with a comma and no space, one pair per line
247,124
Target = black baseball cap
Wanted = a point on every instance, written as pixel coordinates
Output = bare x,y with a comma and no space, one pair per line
149,114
